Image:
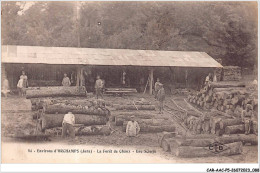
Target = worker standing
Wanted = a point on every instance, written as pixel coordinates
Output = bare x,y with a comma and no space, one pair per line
161,98
132,128
66,80
20,86
208,80
24,83
248,118
99,87
67,125
5,87
156,87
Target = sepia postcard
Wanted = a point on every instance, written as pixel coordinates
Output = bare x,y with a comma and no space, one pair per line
129,82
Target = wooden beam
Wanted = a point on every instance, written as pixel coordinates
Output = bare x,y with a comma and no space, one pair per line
78,76
151,82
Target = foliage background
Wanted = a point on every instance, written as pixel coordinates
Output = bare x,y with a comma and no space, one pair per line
226,30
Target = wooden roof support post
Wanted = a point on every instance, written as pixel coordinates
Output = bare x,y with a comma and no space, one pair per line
151,81
78,76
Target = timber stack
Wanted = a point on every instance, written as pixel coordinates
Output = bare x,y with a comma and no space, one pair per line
226,100
203,145
145,115
231,73
52,103
149,122
228,97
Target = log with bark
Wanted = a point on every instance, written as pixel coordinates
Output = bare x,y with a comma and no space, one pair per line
63,109
82,130
166,143
174,144
229,89
55,91
134,107
231,73
235,129
93,130
250,138
229,122
153,128
119,120
225,84
190,152
165,135
138,114
55,120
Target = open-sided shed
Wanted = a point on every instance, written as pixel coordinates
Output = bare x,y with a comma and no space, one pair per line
83,57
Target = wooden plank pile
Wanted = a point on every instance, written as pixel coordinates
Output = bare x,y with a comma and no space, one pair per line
204,145
231,73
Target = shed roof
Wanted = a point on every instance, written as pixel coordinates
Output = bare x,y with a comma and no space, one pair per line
97,56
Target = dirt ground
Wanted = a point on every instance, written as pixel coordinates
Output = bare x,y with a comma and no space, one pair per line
17,119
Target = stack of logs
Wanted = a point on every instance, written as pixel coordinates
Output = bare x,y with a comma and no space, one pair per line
231,73
149,122
90,114
145,115
226,100
204,145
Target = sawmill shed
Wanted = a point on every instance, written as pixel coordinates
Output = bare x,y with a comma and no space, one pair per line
45,66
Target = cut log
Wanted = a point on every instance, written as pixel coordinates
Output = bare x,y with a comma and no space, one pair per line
193,142
230,89
165,135
229,122
55,120
93,130
134,107
155,121
236,129
231,73
190,152
226,84
32,137
251,138
82,131
63,109
137,114
166,144
153,128
55,91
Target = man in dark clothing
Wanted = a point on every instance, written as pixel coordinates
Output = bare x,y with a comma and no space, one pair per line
99,87
161,98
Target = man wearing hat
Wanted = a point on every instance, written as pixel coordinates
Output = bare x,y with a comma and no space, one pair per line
67,125
99,87
132,128
247,118
156,87
161,97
